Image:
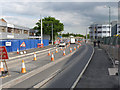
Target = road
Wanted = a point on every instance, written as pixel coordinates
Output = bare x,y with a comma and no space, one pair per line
62,74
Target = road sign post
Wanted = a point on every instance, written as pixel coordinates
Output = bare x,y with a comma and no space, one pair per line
4,55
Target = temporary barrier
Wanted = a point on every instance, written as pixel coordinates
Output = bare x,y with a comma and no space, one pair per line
15,43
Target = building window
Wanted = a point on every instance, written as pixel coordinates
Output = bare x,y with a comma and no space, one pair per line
25,31
10,30
17,31
2,29
99,31
99,27
103,26
104,31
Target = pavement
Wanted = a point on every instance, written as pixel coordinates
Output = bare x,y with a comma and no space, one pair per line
97,75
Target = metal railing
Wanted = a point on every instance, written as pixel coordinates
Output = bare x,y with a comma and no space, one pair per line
112,47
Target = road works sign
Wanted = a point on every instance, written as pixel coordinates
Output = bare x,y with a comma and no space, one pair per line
3,53
23,44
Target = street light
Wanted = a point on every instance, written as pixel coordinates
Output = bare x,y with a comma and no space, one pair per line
41,32
109,17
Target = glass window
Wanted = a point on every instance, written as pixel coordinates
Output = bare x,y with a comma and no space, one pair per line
104,31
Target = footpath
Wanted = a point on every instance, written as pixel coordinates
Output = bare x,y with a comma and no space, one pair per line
97,73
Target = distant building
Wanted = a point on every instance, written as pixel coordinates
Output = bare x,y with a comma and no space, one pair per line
12,31
99,31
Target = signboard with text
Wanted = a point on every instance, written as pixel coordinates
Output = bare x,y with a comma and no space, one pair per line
3,53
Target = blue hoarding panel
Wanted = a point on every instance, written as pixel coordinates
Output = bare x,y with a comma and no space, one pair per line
30,43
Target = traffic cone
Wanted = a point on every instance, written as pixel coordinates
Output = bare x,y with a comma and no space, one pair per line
35,56
52,57
78,46
70,49
1,68
17,51
61,48
56,50
49,52
63,52
23,70
74,48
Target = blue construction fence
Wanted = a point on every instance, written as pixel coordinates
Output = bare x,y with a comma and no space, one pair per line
30,43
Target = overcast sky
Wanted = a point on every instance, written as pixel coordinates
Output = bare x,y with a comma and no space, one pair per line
76,16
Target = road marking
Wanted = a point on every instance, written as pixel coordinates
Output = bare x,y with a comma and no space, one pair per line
77,80
34,72
30,53
13,61
46,80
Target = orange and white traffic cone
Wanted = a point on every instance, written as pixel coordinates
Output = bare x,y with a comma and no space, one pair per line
74,48
52,57
61,48
49,52
56,51
70,49
23,69
1,67
35,56
17,51
78,46
63,52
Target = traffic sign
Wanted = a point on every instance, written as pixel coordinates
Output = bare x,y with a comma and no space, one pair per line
23,44
3,53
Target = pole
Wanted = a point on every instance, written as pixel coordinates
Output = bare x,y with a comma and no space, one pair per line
52,33
86,35
41,32
109,22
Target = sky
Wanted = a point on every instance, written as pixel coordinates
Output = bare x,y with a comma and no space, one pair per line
75,15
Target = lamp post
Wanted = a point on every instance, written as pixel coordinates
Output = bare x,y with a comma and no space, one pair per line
41,32
52,33
109,18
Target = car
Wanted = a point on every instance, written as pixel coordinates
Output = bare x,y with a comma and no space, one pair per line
62,44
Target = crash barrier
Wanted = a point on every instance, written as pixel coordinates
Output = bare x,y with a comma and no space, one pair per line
112,47
14,45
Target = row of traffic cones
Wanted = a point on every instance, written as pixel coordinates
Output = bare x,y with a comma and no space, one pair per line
23,69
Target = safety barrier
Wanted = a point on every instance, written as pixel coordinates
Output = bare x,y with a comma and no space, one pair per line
112,47
15,43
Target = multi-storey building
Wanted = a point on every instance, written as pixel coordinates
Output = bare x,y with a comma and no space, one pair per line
99,31
11,31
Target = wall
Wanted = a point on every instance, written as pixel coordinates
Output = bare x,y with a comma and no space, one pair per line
30,43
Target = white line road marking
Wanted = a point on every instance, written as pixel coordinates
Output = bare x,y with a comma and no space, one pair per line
25,58
75,83
46,80
31,53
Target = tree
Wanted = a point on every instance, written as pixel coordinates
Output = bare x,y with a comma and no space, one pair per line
47,23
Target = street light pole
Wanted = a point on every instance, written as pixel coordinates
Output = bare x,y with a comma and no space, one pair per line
109,22
52,33
41,32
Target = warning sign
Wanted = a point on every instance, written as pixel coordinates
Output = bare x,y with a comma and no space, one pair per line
23,45
3,53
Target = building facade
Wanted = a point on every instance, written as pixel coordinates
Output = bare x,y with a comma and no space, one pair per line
97,31
11,31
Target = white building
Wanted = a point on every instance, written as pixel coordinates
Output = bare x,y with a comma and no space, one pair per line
99,31
11,31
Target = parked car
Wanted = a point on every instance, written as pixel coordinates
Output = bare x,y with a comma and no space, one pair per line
62,44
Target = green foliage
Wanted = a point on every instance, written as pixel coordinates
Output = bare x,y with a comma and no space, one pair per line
71,34
47,26
88,36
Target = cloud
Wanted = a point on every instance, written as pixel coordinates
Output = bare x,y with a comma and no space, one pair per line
76,16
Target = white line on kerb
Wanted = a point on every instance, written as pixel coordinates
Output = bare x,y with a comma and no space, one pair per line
30,53
75,83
